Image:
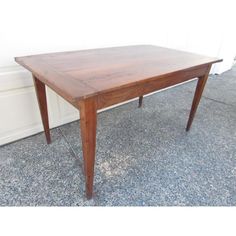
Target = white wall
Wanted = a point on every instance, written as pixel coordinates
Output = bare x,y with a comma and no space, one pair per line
31,27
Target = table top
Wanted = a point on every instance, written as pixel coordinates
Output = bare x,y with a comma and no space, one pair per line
80,74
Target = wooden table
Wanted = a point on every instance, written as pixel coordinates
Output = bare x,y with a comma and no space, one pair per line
95,79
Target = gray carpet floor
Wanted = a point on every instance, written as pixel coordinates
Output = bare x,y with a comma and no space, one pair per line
144,156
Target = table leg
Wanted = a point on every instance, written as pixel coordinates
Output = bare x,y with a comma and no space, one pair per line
88,123
140,101
42,101
197,96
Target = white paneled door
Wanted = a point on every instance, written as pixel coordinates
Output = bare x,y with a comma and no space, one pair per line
20,115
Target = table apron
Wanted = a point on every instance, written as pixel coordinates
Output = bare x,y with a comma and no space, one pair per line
123,94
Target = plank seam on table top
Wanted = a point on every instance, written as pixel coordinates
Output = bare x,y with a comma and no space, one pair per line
135,83
97,92
73,78
94,91
51,85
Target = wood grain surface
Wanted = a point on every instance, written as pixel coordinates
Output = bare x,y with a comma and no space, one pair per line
80,74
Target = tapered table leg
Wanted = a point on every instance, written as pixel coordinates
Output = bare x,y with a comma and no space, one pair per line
88,123
197,96
42,101
140,101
